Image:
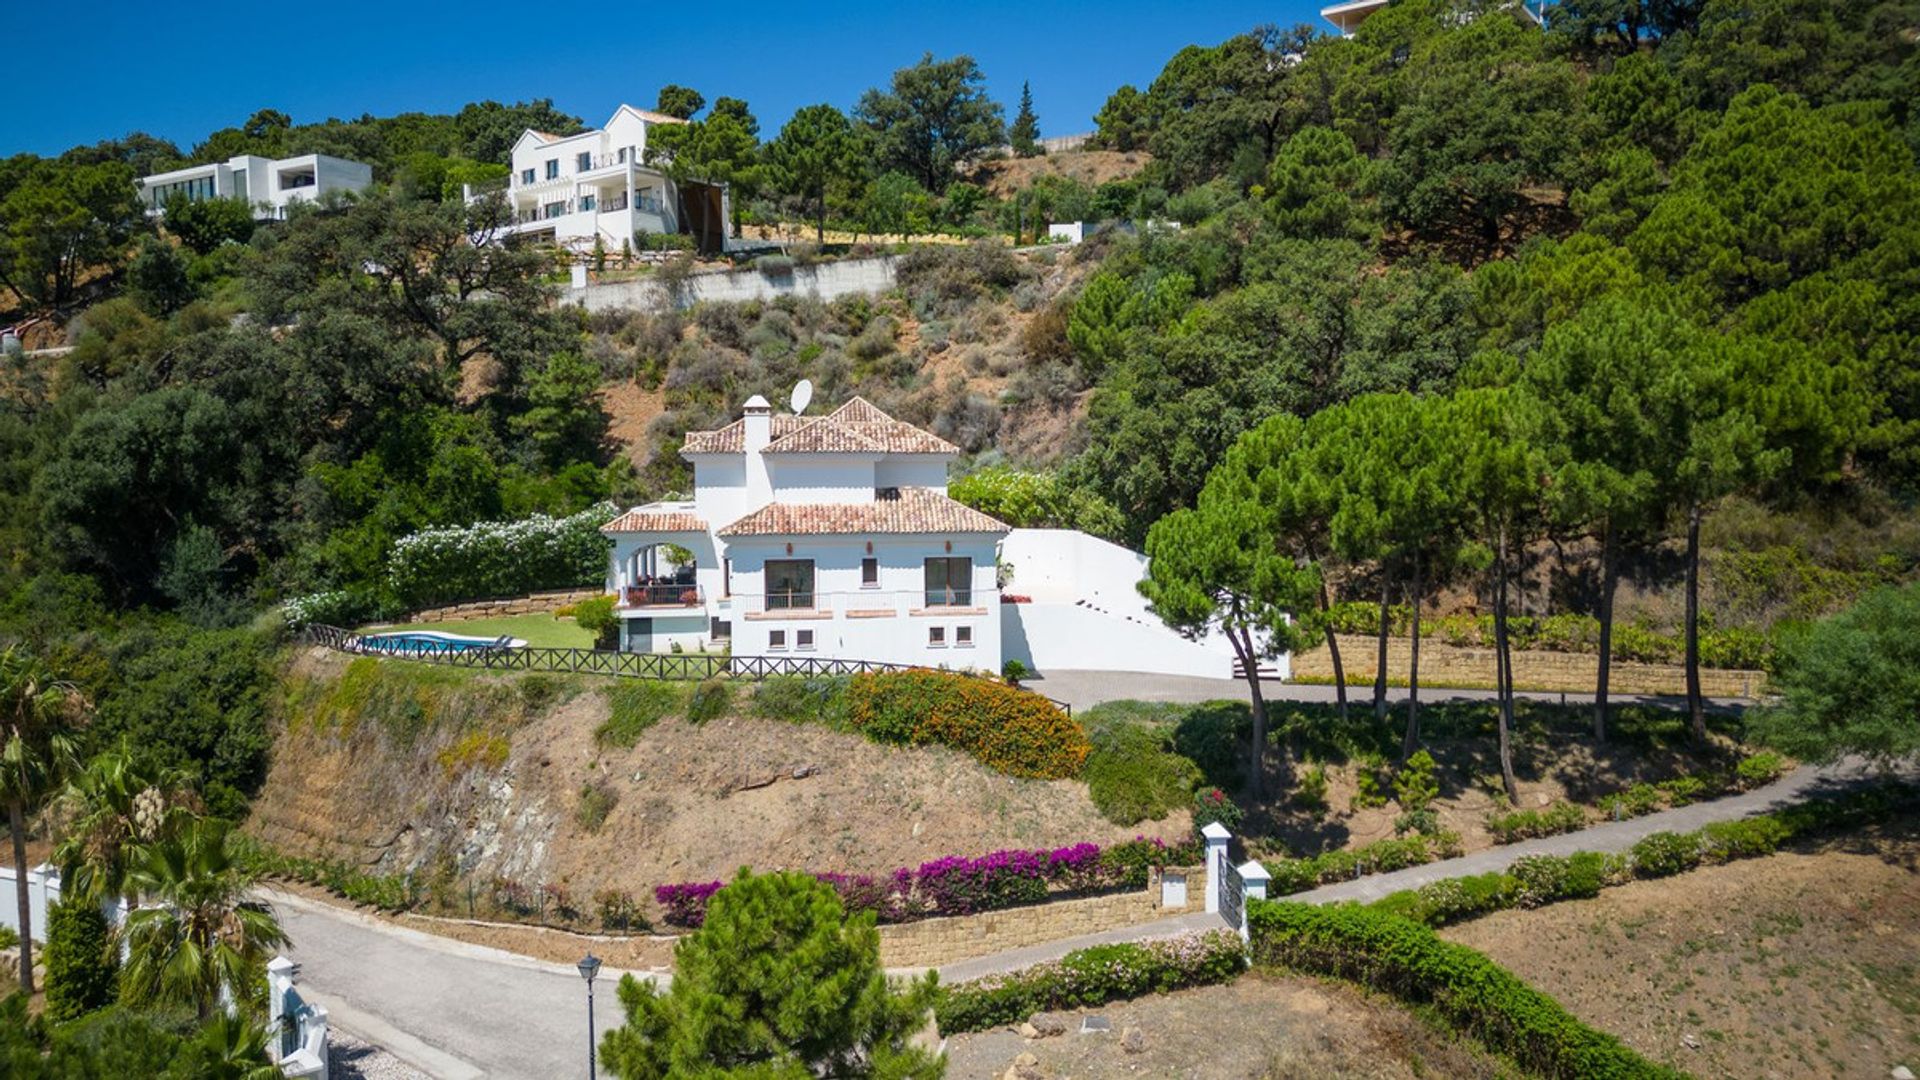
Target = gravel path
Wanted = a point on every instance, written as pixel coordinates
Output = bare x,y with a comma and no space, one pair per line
349,1058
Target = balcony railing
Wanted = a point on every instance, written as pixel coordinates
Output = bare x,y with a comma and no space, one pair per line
671,594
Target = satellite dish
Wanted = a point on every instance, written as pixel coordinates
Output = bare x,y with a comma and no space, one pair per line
802,395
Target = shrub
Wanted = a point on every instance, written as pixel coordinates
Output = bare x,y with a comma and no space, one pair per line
1723,841
1527,824
499,558
1637,801
596,802
1542,879
803,699
1760,769
596,617
1424,822
1210,804
1089,977
1400,957
82,963
1311,795
617,910
1368,791
1005,728
711,699
633,706
1666,853
1132,775
686,905
1414,785
1682,790
1013,671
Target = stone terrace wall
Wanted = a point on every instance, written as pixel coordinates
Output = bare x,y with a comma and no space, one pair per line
1448,665
932,942
532,604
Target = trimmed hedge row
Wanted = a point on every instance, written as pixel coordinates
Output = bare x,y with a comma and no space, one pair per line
1012,730
1543,879
1092,976
1400,957
1379,857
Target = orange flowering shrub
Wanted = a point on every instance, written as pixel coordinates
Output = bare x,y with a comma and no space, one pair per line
1012,730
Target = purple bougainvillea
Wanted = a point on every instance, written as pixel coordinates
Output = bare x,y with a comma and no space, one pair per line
965,885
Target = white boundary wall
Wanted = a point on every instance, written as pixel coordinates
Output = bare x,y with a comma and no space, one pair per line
43,891
824,281
1086,612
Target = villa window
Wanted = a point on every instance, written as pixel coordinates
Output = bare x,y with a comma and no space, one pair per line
803,639
869,573
586,202
556,209
789,584
937,637
583,162
726,577
963,636
950,581
526,176
776,639
623,155
720,630
553,168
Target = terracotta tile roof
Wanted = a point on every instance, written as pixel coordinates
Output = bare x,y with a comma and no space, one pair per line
893,510
732,439
648,519
858,427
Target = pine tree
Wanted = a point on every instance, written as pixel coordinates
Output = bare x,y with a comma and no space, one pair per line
779,981
1025,132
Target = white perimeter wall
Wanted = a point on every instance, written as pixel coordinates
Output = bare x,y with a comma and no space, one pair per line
825,281
1087,613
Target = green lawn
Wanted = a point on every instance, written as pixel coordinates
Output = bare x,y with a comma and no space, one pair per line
543,631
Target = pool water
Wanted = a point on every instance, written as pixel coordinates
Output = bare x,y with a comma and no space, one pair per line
430,641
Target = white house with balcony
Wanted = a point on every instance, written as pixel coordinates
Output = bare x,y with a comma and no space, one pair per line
1347,17
575,189
270,185
833,537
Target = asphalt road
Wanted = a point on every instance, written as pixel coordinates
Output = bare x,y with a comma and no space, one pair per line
1085,689
450,1009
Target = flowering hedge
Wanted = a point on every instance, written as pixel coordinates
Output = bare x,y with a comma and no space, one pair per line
501,558
1092,977
959,885
1015,731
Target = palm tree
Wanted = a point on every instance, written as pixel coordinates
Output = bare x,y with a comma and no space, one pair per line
203,934
231,1047
39,715
112,808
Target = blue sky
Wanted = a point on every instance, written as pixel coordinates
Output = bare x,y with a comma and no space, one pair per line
81,72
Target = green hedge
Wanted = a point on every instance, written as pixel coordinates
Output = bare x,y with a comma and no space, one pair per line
1731,647
1544,879
82,964
1092,977
1379,857
1005,728
1400,957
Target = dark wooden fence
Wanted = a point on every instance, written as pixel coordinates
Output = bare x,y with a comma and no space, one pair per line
676,666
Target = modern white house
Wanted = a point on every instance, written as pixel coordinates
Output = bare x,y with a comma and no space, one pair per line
271,185
574,189
833,537
1347,17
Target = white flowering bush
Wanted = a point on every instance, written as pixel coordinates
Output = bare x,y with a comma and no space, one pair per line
336,608
501,558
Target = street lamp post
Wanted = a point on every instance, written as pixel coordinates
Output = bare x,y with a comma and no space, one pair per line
589,967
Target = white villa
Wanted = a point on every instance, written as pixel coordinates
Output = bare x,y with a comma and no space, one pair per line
1347,17
833,537
270,185
573,189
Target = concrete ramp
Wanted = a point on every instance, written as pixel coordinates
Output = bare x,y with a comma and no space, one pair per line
1078,608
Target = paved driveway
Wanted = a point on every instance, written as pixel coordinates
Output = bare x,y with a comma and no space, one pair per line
1085,689
453,1010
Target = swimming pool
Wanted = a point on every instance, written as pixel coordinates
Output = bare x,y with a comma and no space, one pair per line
431,641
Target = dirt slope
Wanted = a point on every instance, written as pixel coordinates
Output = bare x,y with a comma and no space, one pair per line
694,802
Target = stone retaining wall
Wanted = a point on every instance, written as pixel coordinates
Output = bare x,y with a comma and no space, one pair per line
1450,665
932,942
532,604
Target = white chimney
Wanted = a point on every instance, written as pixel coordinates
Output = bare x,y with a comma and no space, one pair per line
758,433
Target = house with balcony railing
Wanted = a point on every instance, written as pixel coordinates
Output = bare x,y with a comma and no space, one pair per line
833,537
269,185
574,190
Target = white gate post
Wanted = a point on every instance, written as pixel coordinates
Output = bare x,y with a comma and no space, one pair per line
1216,836
1256,878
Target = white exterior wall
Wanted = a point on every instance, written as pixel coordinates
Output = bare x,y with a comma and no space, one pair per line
719,487
917,470
649,196
258,180
43,891
887,622
1087,612
820,478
